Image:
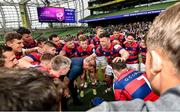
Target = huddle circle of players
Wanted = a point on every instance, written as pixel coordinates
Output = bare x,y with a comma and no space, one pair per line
116,55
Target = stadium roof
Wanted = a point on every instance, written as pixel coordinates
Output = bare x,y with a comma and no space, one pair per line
10,17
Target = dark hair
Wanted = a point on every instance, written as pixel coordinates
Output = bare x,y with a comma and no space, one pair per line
12,35
82,38
26,90
98,27
68,38
23,30
41,39
116,30
2,61
52,36
50,44
131,34
105,34
46,56
80,33
118,65
3,49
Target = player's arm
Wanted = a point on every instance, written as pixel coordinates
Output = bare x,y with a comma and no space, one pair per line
98,52
27,59
62,53
27,51
25,62
124,55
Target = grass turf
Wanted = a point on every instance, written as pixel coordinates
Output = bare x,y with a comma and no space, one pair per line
88,95
86,100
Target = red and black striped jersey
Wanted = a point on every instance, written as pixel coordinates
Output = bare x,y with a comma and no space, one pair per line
70,53
110,53
84,53
133,50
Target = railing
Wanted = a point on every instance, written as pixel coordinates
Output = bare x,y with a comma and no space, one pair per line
106,4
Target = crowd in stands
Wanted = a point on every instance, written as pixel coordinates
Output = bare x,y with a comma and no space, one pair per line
138,29
118,50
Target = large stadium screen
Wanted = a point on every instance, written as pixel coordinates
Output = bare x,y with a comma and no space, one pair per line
56,14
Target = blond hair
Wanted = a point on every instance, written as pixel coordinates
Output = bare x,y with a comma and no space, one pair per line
60,61
165,34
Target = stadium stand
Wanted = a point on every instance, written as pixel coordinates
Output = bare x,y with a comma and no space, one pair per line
116,10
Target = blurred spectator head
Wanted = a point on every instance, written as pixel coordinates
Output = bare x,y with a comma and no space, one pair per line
163,44
28,90
8,58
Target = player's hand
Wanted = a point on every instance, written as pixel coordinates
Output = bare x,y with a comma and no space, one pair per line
62,42
93,55
92,45
66,93
38,49
116,59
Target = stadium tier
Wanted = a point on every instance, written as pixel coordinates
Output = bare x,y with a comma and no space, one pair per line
103,12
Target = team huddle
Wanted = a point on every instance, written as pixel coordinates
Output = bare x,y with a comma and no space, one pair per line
121,59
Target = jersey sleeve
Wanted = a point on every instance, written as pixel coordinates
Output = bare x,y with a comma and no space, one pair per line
120,95
118,48
35,56
98,52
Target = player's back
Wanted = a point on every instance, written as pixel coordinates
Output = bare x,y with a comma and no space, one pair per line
131,85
